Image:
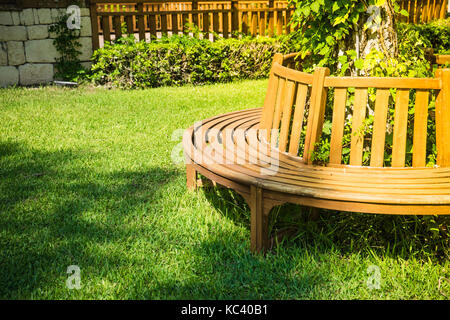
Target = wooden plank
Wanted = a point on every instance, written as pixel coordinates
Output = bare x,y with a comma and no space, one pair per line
152,23
337,126
316,112
278,111
164,24
225,26
420,128
254,23
279,23
289,95
269,102
106,29
117,27
94,27
443,119
215,18
383,83
174,24
129,23
379,128
205,16
400,127
357,139
302,92
245,25
291,74
141,22
262,24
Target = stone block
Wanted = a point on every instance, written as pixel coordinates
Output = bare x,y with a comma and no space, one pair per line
37,32
16,54
86,48
45,16
41,51
85,12
27,17
8,76
13,33
15,17
85,30
6,18
35,73
3,54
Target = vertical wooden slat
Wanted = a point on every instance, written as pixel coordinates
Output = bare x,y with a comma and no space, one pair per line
316,112
129,23
357,139
94,27
420,129
141,23
286,117
245,22
400,126
300,102
443,119
278,111
337,127
225,25
215,18
117,27
279,23
152,22
379,128
206,25
234,16
174,24
271,18
106,29
269,102
254,23
288,18
262,24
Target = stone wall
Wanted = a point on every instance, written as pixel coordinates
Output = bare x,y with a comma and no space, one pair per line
27,53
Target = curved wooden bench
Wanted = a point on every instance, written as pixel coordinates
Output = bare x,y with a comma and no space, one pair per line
265,154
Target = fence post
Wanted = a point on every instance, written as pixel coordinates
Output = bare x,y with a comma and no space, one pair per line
234,16
94,26
195,15
141,24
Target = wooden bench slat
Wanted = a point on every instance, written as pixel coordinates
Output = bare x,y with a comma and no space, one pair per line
359,114
337,127
297,125
289,95
379,128
400,127
420,128
278,110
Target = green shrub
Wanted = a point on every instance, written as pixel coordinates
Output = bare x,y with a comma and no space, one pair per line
435,34
182,60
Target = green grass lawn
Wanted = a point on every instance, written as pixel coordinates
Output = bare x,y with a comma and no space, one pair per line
87,179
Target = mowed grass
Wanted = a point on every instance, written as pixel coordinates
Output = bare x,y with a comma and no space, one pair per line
87,179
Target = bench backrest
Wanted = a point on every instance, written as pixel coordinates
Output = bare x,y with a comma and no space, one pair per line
294,110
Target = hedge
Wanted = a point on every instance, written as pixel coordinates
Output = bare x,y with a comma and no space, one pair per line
180,60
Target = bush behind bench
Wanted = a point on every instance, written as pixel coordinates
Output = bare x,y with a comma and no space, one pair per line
180,60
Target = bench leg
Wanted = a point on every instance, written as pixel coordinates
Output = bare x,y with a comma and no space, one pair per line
258,222
315,214
191,177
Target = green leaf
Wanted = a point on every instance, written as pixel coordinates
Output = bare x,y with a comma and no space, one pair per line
315,6
405,13
335,6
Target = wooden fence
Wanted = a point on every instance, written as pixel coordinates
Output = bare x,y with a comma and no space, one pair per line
421,11
149,19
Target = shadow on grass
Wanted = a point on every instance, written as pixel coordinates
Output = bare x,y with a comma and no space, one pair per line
420,237
47,200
